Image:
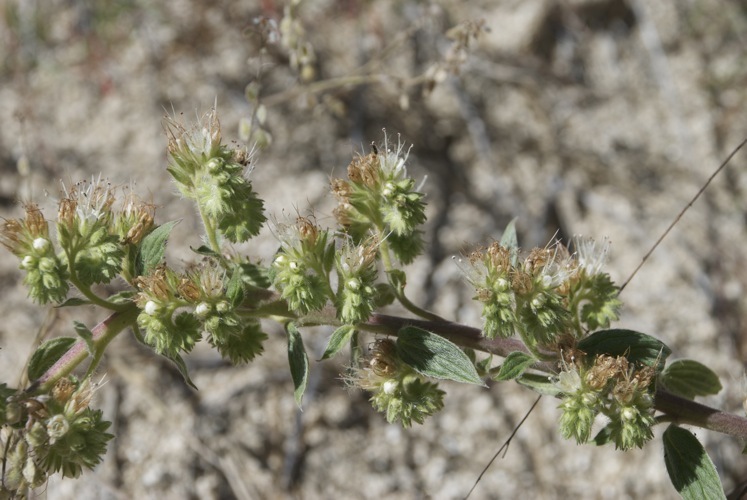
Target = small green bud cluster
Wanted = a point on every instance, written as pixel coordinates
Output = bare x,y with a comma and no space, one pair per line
379,196
302,272
28,238
397,390
95,242
303,265
177,309
613,387
86,232
212,175
357,289
548,296
51,433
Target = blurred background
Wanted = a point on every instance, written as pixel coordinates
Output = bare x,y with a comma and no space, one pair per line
593,117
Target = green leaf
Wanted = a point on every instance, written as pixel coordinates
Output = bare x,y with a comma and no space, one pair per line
398,281
384,295
511,241
182,367
635,346
255,275
515,364
123,297
234,287
690,468
153,247
5,393
298,360
604,436
688,378
47,355
541,384
434,356
330,252
483,366
337,341
87,336
73,302
205,250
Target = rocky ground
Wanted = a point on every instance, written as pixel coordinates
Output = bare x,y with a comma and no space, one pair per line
594,117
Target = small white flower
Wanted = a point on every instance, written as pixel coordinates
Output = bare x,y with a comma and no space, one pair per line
592,256
629,414
389,386
40,244
202,309
151,308
569,382
393,162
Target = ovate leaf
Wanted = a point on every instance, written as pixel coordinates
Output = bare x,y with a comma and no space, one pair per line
153,247
635,346
688,378
47,355
337,341
690,468
434,356
299,362
515,364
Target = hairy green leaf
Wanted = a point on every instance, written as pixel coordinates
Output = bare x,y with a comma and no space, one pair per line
255,275
337,341
47,355
181,366
73,302
541,384
205,250
298,360
511,241
688,378
604,436
515,364
234,288
87,336
153,247
690,468
434,356
122,297
635,346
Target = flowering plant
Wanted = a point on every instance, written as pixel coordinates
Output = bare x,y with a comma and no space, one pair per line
547,312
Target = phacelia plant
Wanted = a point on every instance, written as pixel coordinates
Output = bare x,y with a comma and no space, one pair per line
547,312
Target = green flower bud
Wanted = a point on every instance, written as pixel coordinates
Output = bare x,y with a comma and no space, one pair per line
356,269
396,389
302,267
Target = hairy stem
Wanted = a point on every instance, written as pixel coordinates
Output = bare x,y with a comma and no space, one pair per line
678,409
103,333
